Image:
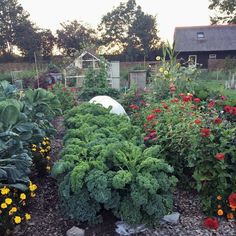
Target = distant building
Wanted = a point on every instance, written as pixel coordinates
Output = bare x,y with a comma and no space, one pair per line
200,44
85,60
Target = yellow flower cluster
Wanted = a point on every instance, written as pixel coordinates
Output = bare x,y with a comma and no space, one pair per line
11,202
42,150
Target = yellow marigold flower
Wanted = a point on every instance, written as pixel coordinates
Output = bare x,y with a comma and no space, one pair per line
48,158
33,149
10,213
166,72
8,201
48,148
3,205
14,209
230,216
33,187
27,216
34,146
17,219
32,194
220,212
48,168
42,150
44,143
158,58
22,196
161,70
5,190
219,197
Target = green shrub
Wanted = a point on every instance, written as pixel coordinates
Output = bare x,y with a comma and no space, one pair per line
196,140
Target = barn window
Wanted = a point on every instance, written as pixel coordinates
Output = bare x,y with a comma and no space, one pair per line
192,60
212,56
200,35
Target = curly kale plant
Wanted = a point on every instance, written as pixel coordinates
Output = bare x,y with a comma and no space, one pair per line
104,166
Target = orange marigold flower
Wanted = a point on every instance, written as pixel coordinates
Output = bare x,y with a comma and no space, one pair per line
230,216
220,212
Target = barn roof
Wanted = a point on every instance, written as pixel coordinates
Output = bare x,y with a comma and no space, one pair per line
205,38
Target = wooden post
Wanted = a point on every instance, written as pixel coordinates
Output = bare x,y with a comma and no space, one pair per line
36,68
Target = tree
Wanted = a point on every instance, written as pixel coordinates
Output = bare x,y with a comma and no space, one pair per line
47,42
142,35
127,29
115,25
74,36
27,39
225,11
11,15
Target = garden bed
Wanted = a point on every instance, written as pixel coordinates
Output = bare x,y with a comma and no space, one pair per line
47,219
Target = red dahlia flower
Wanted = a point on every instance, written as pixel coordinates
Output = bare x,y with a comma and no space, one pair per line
197,100
205,132
218,121
174,100
187,98
197,122
220,156
151,117
211,223
211,104
157,110
134,107
232,200
228,109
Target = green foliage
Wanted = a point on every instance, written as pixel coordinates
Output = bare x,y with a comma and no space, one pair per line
66,96
74,36
104,161
96,83
130,29
172,78
225,11
41,106
194,138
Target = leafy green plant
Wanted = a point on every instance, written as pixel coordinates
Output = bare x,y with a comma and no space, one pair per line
96,83
66,96
104,165
172,78
197,141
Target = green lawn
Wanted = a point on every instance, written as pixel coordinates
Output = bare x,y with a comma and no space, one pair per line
219,85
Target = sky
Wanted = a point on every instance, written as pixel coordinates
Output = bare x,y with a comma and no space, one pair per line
169,13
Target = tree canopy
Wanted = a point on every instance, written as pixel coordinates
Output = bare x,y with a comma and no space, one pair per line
17,31
74,36
225,11
128,29
12,15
